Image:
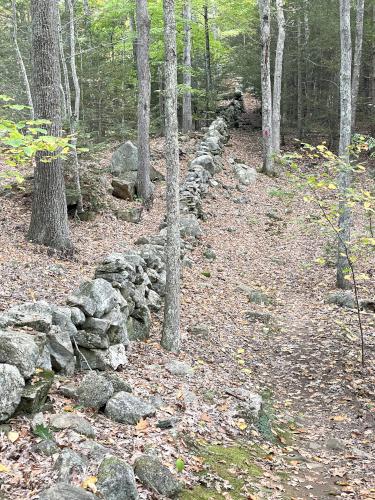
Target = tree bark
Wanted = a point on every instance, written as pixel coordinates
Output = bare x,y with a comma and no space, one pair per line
187,116
20,59
144,186
265,13
161,98
65,74
278,77
299,81
372,76
345,140
357,61
49,221
74,117
171,329
207,60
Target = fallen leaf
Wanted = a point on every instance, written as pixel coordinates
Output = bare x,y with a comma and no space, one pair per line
142,425
13,436
4,468
90,484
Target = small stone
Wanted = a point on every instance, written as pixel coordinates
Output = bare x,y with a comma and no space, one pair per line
116,480
63,491
47,447
335,444
73,422
118,383
168,423
69,391
156,476
200,329
69,462
123,407
176,367
262,317
94,391
94,450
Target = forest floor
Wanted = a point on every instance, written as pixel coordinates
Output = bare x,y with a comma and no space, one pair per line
316,437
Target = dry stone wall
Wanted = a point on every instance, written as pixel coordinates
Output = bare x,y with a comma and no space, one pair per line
101,318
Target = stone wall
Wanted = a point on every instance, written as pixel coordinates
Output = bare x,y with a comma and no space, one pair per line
101,318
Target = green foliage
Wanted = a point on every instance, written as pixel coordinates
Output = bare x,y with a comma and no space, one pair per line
180,465
43,432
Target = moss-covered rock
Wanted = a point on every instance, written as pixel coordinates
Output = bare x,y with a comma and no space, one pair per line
156,476
116,480
35,392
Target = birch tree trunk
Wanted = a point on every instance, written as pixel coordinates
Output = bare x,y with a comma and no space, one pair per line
265,13
278,77
171,329
20,59
357,61
49,220
144,186
187,116
345,140
74,118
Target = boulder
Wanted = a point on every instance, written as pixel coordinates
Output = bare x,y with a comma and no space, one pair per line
128,409
139,324
125,160
69,462
61,350
96,298
11,387
94,391
205,161
156,476
116,480
93,450
245,175
46,447
342,298
124,188
132,215
21,349
117,332
118,383
77,316
34,315
62,491
189,227
74,422
91,340
102,359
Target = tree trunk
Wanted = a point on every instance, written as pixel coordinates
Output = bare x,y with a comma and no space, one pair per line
357,61
161,98
299,81
278,77
187,116
207,60
144,186
20,59
49,221
265,13
372,77
133,29
74,118
66,84
171,329
345,140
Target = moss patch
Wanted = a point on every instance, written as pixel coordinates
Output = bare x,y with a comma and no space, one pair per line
231,467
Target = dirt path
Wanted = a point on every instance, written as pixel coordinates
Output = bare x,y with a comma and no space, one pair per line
303,356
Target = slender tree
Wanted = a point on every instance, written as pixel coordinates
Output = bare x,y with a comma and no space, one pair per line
207,60
144,185
345,140
187,116
276,118
74,114
357,60
265,14
299,80
20,59
49,220
171,329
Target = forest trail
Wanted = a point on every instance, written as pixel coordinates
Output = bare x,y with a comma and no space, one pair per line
264,240
314,437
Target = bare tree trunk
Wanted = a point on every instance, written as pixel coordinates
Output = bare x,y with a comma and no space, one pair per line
64,67
207,60
144,186
187,116
278,77
171,329
357,61
265,13
74,118
161,98
49,220
345,140
299,81
133,29
372,77
20,59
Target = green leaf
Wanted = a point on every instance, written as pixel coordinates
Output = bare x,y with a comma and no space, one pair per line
180,465
43,432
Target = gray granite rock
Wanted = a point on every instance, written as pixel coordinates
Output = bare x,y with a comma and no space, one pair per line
116,480
21,349
11,387
156,476
63,491
128,409
94,391
74,422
